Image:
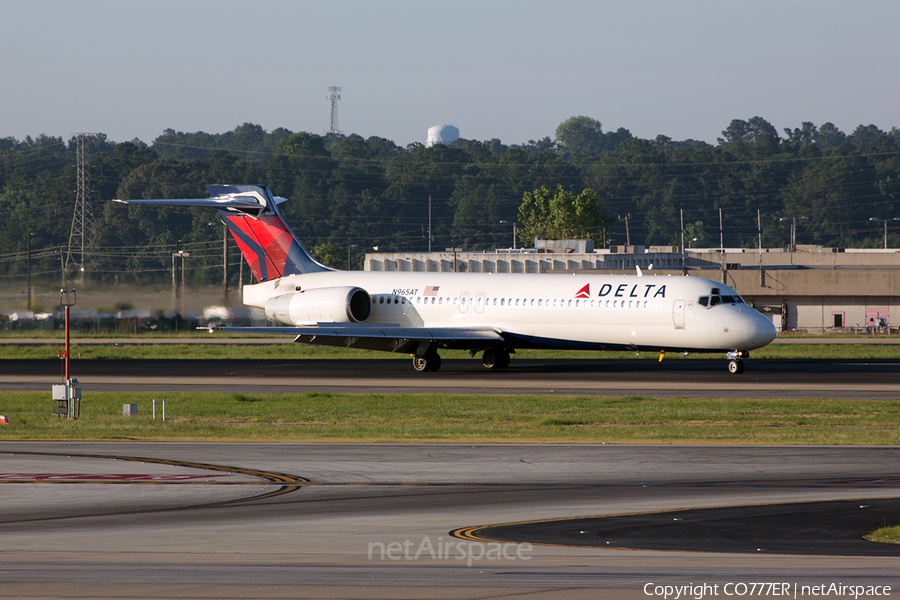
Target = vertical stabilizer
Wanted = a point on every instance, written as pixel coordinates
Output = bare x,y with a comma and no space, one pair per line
252,216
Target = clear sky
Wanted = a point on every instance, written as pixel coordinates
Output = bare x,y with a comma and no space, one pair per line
507,69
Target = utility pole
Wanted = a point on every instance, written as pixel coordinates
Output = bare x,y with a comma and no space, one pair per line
885,227
627,230
722,245
225,265
759,233
28,302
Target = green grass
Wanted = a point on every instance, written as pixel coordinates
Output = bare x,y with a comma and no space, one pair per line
324,417
288,350
885,535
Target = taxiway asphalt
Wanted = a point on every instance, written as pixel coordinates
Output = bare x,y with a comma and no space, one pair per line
179,520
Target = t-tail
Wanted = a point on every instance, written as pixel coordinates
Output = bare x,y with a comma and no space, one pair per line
251,214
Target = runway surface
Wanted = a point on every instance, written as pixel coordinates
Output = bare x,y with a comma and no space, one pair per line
178,520
872,379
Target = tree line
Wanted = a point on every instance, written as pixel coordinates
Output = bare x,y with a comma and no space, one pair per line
350,195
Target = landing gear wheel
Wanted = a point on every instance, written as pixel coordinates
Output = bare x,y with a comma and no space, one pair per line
427,362
495,358
735,366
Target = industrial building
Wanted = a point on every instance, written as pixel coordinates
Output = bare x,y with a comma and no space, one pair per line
802,288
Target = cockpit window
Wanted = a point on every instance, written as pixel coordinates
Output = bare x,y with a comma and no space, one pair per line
716,299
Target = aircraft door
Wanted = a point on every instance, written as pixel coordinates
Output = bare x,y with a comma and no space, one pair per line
464,302
678,314
479,302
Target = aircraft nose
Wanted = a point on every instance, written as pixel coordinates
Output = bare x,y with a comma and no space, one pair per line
762,331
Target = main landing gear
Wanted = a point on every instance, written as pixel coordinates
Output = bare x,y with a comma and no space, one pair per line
735,364
495,358
430,361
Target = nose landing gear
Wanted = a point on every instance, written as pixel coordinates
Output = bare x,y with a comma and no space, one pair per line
735,364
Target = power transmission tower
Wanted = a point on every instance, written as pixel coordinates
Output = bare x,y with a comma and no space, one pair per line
334,96
82,238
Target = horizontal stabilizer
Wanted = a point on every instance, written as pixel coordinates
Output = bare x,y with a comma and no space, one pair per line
251,214
238,202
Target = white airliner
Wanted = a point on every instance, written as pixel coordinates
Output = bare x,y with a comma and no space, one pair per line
492,313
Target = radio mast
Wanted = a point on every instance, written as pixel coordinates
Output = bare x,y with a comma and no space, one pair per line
334,96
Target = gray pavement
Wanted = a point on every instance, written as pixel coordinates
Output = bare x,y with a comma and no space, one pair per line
232,521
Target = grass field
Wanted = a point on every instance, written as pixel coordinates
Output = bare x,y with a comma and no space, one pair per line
327,417
885,535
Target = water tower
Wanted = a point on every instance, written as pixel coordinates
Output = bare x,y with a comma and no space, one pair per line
441,134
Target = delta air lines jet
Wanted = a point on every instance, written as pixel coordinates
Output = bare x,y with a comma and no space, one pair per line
492,313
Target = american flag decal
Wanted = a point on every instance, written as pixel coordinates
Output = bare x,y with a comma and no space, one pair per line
432,290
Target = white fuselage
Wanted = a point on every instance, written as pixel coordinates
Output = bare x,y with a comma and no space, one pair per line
548,310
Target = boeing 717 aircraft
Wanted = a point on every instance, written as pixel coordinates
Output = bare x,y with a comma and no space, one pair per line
491,313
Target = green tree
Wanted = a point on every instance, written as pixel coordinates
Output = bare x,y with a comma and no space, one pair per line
580,134
331,255
561,215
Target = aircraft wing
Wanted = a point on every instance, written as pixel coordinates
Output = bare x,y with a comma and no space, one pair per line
383,336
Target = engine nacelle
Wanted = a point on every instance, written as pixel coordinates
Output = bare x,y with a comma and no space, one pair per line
321,305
